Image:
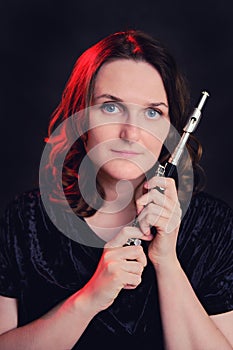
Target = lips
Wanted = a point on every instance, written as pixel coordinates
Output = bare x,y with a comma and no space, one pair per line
126,153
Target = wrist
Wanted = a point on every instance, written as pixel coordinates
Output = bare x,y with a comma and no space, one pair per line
166,265
82,304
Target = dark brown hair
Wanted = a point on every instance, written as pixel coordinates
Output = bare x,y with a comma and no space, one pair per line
133,45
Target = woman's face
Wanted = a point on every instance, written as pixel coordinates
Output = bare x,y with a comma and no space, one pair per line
128,120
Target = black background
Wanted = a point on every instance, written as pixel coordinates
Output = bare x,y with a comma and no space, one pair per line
41,40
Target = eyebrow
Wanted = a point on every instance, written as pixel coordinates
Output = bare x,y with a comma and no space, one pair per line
117,99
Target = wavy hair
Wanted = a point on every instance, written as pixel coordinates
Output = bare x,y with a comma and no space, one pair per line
132,45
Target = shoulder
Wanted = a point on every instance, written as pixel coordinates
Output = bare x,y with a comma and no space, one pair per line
208,222
209,201
205,208
22,218
205,250
21,209
27,199
26,233
16,208
23,201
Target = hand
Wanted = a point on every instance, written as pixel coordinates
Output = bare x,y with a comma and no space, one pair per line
119,267
161,210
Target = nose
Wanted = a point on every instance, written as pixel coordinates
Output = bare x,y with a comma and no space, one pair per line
130,133
129,130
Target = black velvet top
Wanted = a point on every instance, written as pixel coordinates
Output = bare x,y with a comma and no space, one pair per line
40,266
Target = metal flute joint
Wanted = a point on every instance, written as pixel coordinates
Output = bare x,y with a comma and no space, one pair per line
196,115
190,127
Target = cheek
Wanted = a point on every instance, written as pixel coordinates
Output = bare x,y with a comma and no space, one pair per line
162,130
153,145
154,151
92,140
155,139
101,134
97,145
95,137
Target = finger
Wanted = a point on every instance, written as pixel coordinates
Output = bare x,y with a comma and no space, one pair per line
132,281
165,182
142,201
133,266
129,286
158,222
154,210
148,221
154,196
159,199
154,215
149,217
127,253
133,253
175,219
122,237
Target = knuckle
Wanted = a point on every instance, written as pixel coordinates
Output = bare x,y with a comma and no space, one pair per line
140,268
149,218
109,268
138,279
154,191
150,206
170,181
139,249
107,256
179,208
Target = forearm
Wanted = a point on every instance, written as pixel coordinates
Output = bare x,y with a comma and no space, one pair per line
186,324
60,328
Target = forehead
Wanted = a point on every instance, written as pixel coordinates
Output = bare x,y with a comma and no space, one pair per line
132,81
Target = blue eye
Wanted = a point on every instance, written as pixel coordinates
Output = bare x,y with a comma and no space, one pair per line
152,113
110,107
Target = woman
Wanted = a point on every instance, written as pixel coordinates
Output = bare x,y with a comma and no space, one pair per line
124,98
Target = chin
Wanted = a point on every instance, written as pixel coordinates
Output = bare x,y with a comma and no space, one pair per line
124,170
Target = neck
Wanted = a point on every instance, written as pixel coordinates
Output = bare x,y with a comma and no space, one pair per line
118,209
107,223
118,193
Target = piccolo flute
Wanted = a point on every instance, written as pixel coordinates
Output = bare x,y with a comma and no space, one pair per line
169,168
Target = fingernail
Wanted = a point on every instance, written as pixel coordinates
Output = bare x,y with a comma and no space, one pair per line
139,209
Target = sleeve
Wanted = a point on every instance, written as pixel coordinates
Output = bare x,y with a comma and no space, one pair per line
216,292
8,265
